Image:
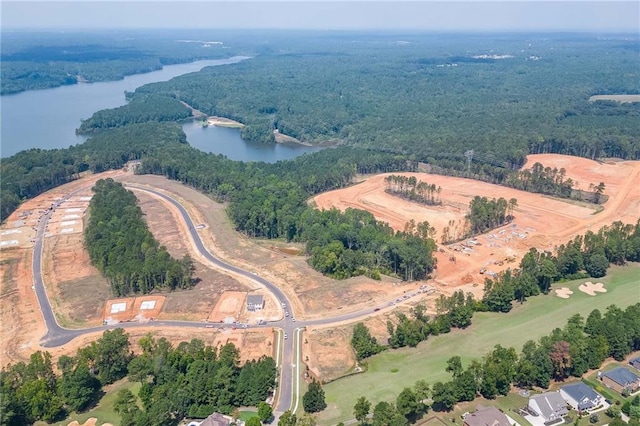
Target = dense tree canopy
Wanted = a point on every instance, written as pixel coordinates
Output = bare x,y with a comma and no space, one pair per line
189,379
121,246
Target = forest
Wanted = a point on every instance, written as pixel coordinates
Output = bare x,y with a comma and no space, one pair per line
582,344
141,109
36,60
410,98
123,249
190,379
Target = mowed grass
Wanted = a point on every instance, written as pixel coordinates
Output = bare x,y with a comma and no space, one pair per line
104,411
535,318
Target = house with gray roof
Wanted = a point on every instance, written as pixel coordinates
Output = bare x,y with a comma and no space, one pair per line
549,405
621,379
215,419
635,363
486,416
255,302
581,397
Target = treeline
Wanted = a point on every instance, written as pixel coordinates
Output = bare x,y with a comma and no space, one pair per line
191,379
586,255
355,243
140,109
413,190
455,311
570,351
28,174
121,246
551,181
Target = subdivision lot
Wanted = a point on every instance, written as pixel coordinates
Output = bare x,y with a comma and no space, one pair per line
535,318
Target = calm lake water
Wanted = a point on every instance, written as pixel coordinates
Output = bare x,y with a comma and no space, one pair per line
48,118
227,141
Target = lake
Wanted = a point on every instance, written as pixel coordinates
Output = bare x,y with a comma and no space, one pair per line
227,141
48,118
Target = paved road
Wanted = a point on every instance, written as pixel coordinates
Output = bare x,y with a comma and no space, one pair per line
289,367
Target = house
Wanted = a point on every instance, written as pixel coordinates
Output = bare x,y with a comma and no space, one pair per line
550,406
486,416
215,419
635,363
255,303
581,397
620,379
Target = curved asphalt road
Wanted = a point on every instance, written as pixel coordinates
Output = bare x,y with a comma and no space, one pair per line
58,336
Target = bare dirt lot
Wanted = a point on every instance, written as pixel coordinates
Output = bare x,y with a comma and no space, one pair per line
540,221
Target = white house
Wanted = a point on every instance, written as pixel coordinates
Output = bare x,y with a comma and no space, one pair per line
550,406
581,397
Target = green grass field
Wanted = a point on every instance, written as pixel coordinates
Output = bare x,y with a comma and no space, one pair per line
530,321
104,410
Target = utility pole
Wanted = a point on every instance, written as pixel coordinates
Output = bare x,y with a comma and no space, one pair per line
469,155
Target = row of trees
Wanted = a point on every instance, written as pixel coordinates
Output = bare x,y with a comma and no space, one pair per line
413,189
454,311
570,351
121,246
584,256
191,379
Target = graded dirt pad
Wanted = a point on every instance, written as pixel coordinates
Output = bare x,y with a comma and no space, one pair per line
591,289
133,309
257,343
118,310
77,290
195,303
326,352
229,305
563,292
540,221
21,323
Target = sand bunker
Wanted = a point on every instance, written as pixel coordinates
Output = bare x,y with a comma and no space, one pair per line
591,288
90,422
563,292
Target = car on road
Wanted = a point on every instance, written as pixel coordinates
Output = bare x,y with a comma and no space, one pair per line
286,314
376,309
293,319
285,336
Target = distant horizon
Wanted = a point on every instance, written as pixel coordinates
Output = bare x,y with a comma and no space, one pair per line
430,16
390,31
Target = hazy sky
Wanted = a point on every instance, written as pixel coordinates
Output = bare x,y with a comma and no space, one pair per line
507,15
